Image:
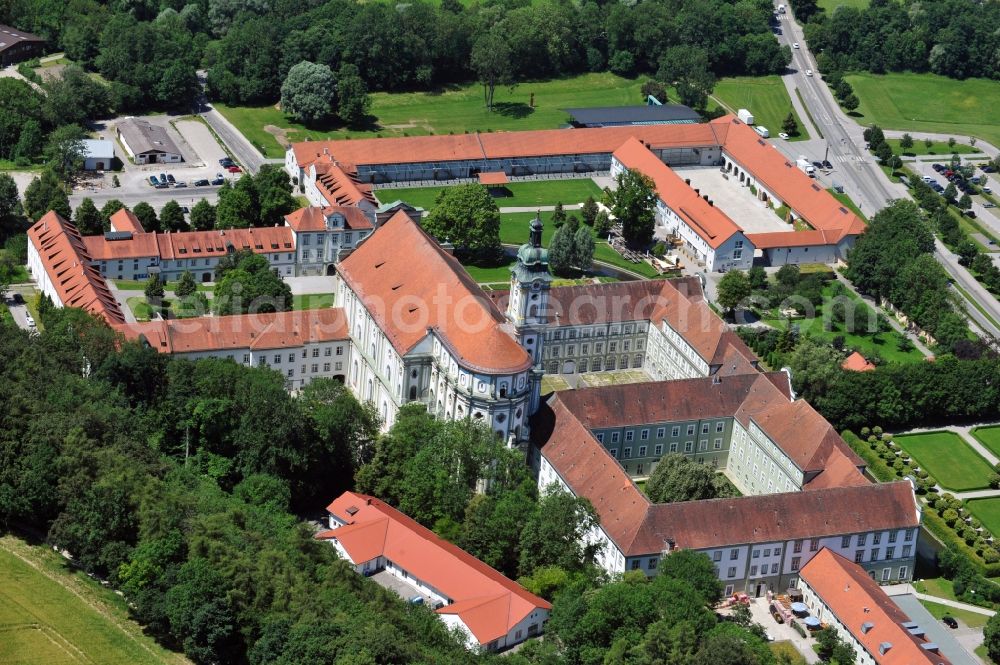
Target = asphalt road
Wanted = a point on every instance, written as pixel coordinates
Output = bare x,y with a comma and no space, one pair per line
856,169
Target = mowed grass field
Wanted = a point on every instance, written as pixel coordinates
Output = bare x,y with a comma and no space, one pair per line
919,148
987,511
947,457
533,193
49,616
766,98
989,437
831,5
929,103
455,110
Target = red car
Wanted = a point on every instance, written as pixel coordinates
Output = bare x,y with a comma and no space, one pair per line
234,169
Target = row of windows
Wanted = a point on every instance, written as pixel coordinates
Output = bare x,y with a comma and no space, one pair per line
658,448
599,332
675,431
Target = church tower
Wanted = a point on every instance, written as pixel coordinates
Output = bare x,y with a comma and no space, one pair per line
527,307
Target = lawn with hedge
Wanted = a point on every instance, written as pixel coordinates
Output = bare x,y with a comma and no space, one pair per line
989,437
947,457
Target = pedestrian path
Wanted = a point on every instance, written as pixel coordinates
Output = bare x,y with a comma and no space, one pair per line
904,589
889,317
509,209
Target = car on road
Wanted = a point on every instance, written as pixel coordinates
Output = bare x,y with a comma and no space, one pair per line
181,184
783,135
153,180
949,621
170,178
809,72
185,209
218,181
827,164
201,183
234,169
795,45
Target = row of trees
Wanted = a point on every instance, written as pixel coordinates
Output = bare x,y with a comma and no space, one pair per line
894,260
261,200
954,38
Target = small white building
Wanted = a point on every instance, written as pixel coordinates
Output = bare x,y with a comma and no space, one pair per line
493,612
99,155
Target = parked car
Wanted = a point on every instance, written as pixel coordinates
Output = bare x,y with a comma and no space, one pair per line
17,298
969,213
234,169
170,178
989,204
949,621
827,164
987,169
218,181
219,175
185,210
201,183
783,135
181,184
928,179
153,180
225,161
987,190
163,177
937,167
795,45
31,321
163,185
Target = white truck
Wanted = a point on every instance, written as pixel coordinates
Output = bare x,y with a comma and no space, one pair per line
745,116
762,130
806,166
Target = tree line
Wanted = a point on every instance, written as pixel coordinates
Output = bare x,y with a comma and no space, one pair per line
148,50
953,38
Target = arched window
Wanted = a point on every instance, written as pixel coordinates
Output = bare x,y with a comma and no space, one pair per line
370,392
503,390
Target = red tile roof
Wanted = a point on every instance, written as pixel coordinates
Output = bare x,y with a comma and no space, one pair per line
493,178
857,600
274,330
125,220
857,363
782,177
641,528
339,185
313,218
770,518
488,603
140,245
813,238
67,263
411,286
195,244
713,225
445,148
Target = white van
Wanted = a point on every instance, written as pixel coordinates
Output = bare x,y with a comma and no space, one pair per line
762,130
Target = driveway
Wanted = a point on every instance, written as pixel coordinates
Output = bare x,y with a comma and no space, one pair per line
957,644
198,136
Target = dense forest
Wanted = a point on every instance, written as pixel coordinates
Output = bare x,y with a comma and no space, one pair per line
954,38
149,49
184,485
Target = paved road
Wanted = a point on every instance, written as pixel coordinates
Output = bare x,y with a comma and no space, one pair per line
237,144
863,180
958,645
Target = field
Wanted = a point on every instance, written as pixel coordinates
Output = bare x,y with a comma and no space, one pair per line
885,344
52,617
929,103
954,464
522,194
831,5
765,96
987,511
142,311
454,110
989,437
919,148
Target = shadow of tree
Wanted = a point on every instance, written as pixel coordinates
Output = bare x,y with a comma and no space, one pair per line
513,109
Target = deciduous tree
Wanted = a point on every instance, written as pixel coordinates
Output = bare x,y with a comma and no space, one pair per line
633,203
468,217
46,193
88,218
733,289
309,93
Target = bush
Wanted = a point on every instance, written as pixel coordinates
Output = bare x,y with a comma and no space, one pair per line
798,629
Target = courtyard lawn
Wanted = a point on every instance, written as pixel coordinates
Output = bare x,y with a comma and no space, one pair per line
929,103
50,615
787,649
312,301
973,620
986,511
919,148
831,5
936,586
454,110
521,194
766,98
989,437
140,285
885,344
497,275
947,457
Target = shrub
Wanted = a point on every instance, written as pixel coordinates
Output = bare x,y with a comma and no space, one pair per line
877,431
865,431
798,629
950,516
922,474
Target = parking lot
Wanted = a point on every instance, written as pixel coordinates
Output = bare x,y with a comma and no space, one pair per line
735,200
199,148
987,217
